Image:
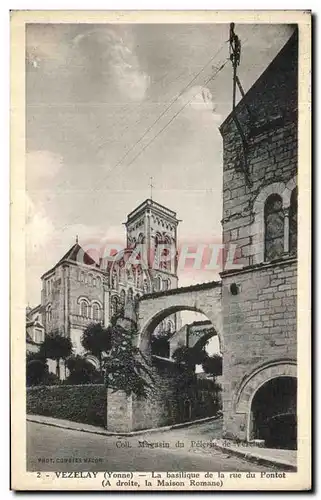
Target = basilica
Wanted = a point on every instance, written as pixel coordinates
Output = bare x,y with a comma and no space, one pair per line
78,290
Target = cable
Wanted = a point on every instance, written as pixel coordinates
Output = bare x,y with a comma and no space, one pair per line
176,114
170,105
167,108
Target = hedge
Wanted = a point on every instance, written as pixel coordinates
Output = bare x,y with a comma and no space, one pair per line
80,403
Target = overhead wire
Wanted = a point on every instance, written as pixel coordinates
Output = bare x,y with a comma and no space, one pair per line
175,115
167,108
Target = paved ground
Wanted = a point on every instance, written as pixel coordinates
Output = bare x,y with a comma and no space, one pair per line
54,449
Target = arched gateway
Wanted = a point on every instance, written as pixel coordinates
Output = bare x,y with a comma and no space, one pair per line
170,403
203,298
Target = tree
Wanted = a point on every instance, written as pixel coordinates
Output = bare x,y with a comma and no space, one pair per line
36,369
213,365
127,369
190,356
97,340
56,347
82,371
160,347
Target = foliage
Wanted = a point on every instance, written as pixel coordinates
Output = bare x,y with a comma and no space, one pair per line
213,365
56,347
190,356
36,371
126,368
160,347
82,372
82,403
97,340
51,379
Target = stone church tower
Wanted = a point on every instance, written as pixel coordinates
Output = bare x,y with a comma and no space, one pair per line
155,228
79,291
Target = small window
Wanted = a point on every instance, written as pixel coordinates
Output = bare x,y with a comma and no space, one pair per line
96,312
84,309
114,305
49,314
38,336
130,295
158,284
166,284
122,298
274,227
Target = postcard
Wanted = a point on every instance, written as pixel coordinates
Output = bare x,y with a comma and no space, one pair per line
160,250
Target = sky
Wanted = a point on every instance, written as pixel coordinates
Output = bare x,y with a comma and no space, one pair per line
98,127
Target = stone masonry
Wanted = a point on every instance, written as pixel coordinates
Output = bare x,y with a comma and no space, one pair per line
259,299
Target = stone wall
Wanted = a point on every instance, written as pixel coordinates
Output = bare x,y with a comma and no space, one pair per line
268,118
260,328
259,311
172,401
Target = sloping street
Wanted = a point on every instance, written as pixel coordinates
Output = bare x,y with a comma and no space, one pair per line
185,449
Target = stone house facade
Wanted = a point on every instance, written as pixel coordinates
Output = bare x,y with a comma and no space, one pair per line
260,217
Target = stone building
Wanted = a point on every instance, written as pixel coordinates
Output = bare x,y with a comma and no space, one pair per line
198,332
35,331
252,309
78,290
260,218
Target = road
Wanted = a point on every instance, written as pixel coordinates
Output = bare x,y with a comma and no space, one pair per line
55,449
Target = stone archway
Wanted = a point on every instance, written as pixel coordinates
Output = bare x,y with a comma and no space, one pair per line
273,417
154,308
251,385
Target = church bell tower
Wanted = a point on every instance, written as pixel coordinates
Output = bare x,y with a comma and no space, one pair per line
154,227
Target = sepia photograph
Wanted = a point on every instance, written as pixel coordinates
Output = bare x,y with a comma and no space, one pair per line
161,212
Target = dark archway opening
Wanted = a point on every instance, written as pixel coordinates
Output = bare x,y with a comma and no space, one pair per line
274,413
186,363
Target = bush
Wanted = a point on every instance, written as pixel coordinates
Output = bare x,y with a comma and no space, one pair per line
36,371
82,403
82,372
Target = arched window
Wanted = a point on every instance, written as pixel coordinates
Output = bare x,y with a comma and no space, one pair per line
114,305
293,222
82,276
170,327
166,284
96,312
90,279
49,314
158,284
166,254
130,295
140,238
145,286
158,240
274,227
114,279
129,273
94,281
98,281
122,298
84,309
